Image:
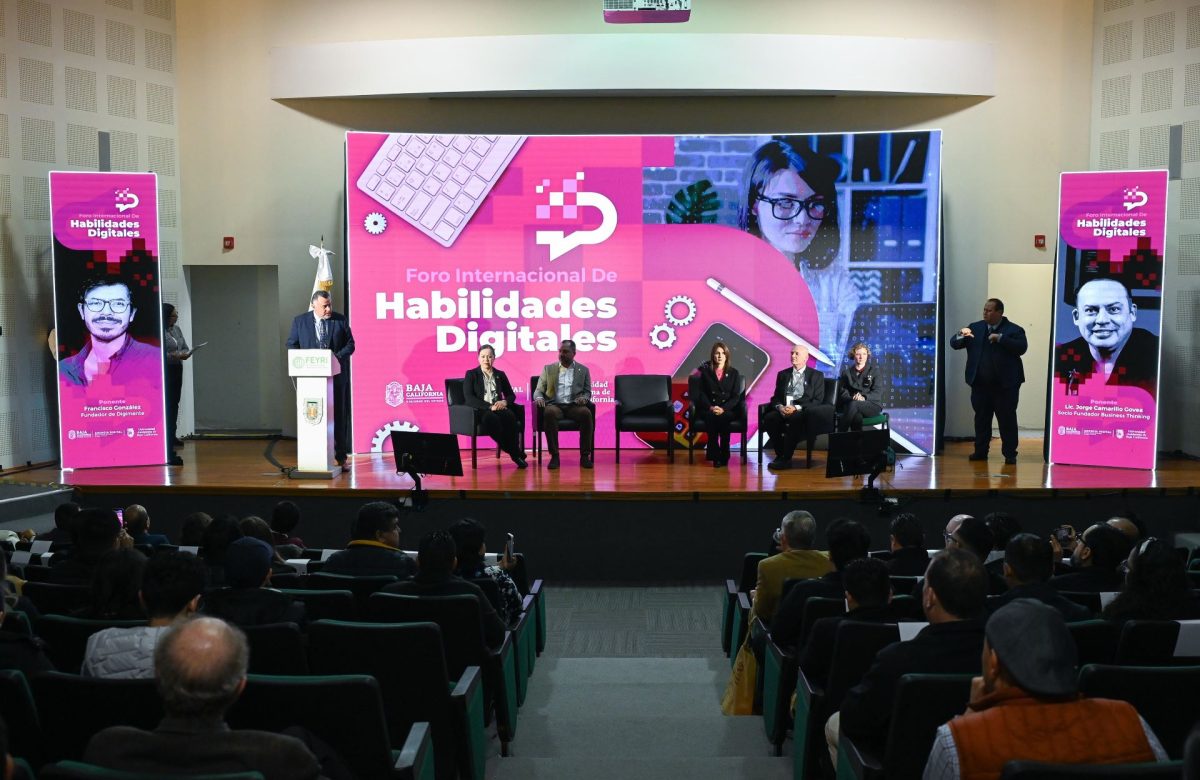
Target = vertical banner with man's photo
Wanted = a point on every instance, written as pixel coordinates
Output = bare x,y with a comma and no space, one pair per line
1108,313
108,319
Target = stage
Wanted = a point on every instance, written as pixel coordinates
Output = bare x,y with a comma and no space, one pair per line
643,519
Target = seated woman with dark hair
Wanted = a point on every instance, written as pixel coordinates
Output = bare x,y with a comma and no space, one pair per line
469,538
720,403
1156,587
116,587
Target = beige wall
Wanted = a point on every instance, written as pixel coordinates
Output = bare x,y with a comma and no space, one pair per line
271,174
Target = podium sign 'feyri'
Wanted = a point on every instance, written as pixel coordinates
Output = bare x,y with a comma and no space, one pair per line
313,371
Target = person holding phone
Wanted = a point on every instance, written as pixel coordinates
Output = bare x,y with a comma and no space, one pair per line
798,391
487,389
859,390
721,401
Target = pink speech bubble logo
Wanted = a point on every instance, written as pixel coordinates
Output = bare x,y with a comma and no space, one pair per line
560,241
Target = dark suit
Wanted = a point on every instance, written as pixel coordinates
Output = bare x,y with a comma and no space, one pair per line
338,339
787,431
203,747
253,606
868,383
995,374
908,562
1089,579
940,648
723,393
1136,366
501,425
1045,593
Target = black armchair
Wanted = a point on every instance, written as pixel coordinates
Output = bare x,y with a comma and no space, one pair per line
643,403
820,421
465,420
697,424
565,424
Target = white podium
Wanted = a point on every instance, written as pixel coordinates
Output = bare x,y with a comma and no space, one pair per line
313,371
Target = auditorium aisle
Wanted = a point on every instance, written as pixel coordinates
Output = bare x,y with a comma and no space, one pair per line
629,686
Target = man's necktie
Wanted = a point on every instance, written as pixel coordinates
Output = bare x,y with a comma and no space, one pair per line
321,334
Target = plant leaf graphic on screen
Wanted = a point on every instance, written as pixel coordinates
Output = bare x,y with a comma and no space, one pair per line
566,203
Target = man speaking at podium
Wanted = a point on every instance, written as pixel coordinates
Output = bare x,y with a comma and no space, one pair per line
321,328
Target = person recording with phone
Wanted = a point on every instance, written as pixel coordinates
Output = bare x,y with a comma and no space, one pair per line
859,390
722,401
487,389
798,391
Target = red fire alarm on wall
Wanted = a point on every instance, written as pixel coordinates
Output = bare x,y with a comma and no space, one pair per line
227,243
1039,242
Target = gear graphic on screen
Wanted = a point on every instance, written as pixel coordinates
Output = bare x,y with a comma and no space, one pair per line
680,300
375,223
383,433
663,336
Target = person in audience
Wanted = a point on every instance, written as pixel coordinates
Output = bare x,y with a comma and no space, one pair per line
137,525
171,588
1003,526
248,599
955,590
200,671
26,654
64,519
218,535
284,519
435,577
1129,524
1096,557
952,526
1026,706
868,599
973,536
255,526
374,548
909,558
1028,564
848,541
1156,587
469,537
797,560
192,532
97,532
115,587
11,587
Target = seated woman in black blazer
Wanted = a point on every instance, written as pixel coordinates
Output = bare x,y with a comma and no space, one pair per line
488,389
860,389
719,403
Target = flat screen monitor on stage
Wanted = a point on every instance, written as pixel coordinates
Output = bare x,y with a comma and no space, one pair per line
426,453
857,452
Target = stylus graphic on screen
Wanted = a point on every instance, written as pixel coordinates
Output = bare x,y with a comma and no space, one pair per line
767,319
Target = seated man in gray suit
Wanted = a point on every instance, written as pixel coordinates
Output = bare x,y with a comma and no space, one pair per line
564,390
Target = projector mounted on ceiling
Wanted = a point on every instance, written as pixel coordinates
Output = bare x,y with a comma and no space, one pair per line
647,11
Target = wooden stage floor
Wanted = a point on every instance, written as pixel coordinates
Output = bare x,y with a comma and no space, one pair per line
224,466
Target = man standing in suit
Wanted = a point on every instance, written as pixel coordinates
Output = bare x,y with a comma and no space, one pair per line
321,328
995,373
798,390
564,390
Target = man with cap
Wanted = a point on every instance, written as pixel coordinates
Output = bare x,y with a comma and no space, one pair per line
249,600
1026,706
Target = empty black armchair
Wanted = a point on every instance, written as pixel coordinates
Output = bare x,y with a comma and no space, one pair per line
466,420
643,403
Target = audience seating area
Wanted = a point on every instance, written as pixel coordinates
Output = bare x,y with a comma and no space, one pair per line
398,686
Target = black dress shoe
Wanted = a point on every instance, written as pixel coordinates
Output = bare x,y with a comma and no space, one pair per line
585,463
779,464
175,460
1010,460
553,464
977,456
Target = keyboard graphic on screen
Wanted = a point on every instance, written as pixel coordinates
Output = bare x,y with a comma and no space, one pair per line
437,182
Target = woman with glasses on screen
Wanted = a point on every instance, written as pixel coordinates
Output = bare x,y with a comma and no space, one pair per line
860,388
719,403
790,201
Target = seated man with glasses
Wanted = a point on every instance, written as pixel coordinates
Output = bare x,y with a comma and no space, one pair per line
106,307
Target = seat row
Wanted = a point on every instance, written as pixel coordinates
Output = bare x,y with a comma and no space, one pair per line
643,403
